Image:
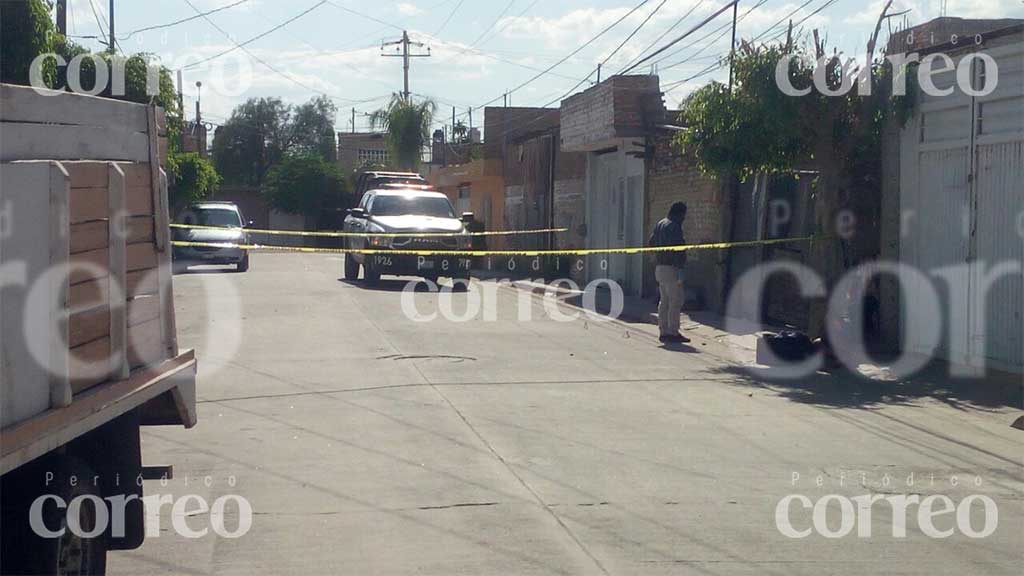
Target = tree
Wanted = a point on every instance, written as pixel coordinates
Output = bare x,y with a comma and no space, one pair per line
192,178
308,185
460,132
407,125
25,32
262,131
313,128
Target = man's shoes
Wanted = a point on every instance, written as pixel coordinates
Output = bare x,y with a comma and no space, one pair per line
673,338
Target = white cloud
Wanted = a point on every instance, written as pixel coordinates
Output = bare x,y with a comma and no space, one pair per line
982,8
407,9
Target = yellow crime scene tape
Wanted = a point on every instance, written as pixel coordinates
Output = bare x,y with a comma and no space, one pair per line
471,253
376,234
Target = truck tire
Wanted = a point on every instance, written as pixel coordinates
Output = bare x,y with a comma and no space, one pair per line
370,275
351,268
26,552
243,264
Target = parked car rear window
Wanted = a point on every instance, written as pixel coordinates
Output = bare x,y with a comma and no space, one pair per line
417,205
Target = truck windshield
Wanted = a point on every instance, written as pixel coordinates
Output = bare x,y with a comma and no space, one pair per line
435,206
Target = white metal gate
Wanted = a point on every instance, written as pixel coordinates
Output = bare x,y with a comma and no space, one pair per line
962,200
615,203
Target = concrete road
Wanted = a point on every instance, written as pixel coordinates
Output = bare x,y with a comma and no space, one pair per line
367,443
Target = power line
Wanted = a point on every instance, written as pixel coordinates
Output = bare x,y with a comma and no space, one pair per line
449,18
510,20
723,29
668,31
262,61
573,53
495,23
721,65
182,21
634,32
619,47
242,45
364,15
681,38
781,21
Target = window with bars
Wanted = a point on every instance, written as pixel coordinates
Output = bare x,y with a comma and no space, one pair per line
371,155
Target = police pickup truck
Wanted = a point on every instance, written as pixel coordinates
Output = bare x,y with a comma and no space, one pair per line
408,211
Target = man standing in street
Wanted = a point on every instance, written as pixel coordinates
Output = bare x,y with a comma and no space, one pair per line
669,272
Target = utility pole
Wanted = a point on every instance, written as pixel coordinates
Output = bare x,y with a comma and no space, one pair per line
598,73
62,17
404,53
453,122
199,97
353,120
732,51
112,46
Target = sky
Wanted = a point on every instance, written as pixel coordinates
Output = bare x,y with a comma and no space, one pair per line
479,49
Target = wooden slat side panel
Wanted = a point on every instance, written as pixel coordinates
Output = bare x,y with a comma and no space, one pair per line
145,344
90,364
87,174
88,325
139,229
135,173
87,294
141,257
143,309
139,200
142,282
63,142
88,204
25,104
88,236
89,265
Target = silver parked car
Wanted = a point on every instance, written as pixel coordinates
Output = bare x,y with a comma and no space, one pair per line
217,223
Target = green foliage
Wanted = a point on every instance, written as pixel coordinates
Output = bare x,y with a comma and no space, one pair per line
263,131
306,184
755,128
252,141
407,125
759,129
313,128
192,178
25,32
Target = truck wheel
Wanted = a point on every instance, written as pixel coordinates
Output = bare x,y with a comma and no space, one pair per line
243,264
351,268
68,554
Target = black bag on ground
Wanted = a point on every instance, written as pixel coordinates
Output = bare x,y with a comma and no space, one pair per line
786,346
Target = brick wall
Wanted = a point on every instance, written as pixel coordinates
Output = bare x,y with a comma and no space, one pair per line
674,177
615,108
350,144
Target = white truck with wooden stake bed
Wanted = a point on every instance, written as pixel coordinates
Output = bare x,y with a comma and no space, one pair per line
88,351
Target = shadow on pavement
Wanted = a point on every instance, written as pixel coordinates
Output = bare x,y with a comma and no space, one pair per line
845,389
390,285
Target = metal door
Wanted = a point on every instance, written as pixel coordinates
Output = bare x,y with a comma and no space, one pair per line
961,200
